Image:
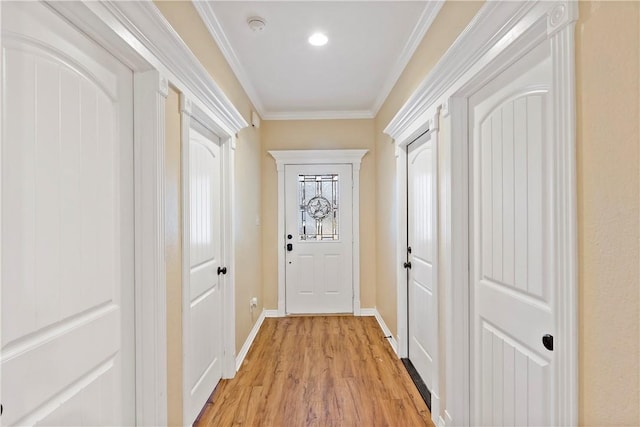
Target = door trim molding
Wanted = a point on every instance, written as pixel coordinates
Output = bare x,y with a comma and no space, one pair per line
150,92
141,37
311,157
431,129
138,35
499,34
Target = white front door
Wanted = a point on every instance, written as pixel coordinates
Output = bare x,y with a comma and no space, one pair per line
202,316
318,228
422,292
512,252
67,226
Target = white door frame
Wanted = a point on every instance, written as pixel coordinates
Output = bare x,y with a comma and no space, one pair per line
192,112
431,127
138,35
500,33
314,157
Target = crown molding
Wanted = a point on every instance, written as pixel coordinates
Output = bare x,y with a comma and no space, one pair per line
214,27
496,24
429,14
319,115
210,20
208,16
141,26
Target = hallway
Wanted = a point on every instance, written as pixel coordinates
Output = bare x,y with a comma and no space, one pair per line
318,371
189,188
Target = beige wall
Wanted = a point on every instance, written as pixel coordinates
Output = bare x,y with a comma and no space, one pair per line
248,236
607,55
318,134
607,49
452,19
248,232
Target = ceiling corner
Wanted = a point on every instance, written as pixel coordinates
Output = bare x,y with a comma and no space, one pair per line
212,24
320,115
428,16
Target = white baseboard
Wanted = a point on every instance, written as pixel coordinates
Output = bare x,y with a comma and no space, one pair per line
270,313
252,336
374,312
436,417
448,419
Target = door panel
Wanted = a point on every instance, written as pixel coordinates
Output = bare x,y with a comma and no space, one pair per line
421,204
67,226
203,308
318,217
512,252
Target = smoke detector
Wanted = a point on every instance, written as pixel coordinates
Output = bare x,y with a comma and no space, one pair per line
256,23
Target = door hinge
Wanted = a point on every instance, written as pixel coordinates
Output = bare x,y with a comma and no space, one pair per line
407,264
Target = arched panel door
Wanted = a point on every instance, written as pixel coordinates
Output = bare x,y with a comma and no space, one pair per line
422,279
67,225
202,316
512,255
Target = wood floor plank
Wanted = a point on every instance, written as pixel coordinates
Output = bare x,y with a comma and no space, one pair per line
318,371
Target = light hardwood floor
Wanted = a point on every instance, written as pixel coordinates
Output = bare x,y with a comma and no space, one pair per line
318,371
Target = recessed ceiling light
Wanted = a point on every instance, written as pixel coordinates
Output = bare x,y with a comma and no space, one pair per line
318,39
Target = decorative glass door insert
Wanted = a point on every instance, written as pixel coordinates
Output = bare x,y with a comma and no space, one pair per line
318,197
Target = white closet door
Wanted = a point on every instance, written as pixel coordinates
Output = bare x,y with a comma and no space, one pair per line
512,254
67,226
422,293
203,306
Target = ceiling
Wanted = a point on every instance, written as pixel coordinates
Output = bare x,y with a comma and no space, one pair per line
370,43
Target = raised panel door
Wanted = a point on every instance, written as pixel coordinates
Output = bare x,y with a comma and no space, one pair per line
67,226
318,224
512,255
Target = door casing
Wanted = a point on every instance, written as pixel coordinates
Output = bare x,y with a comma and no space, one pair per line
430,128
310,157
